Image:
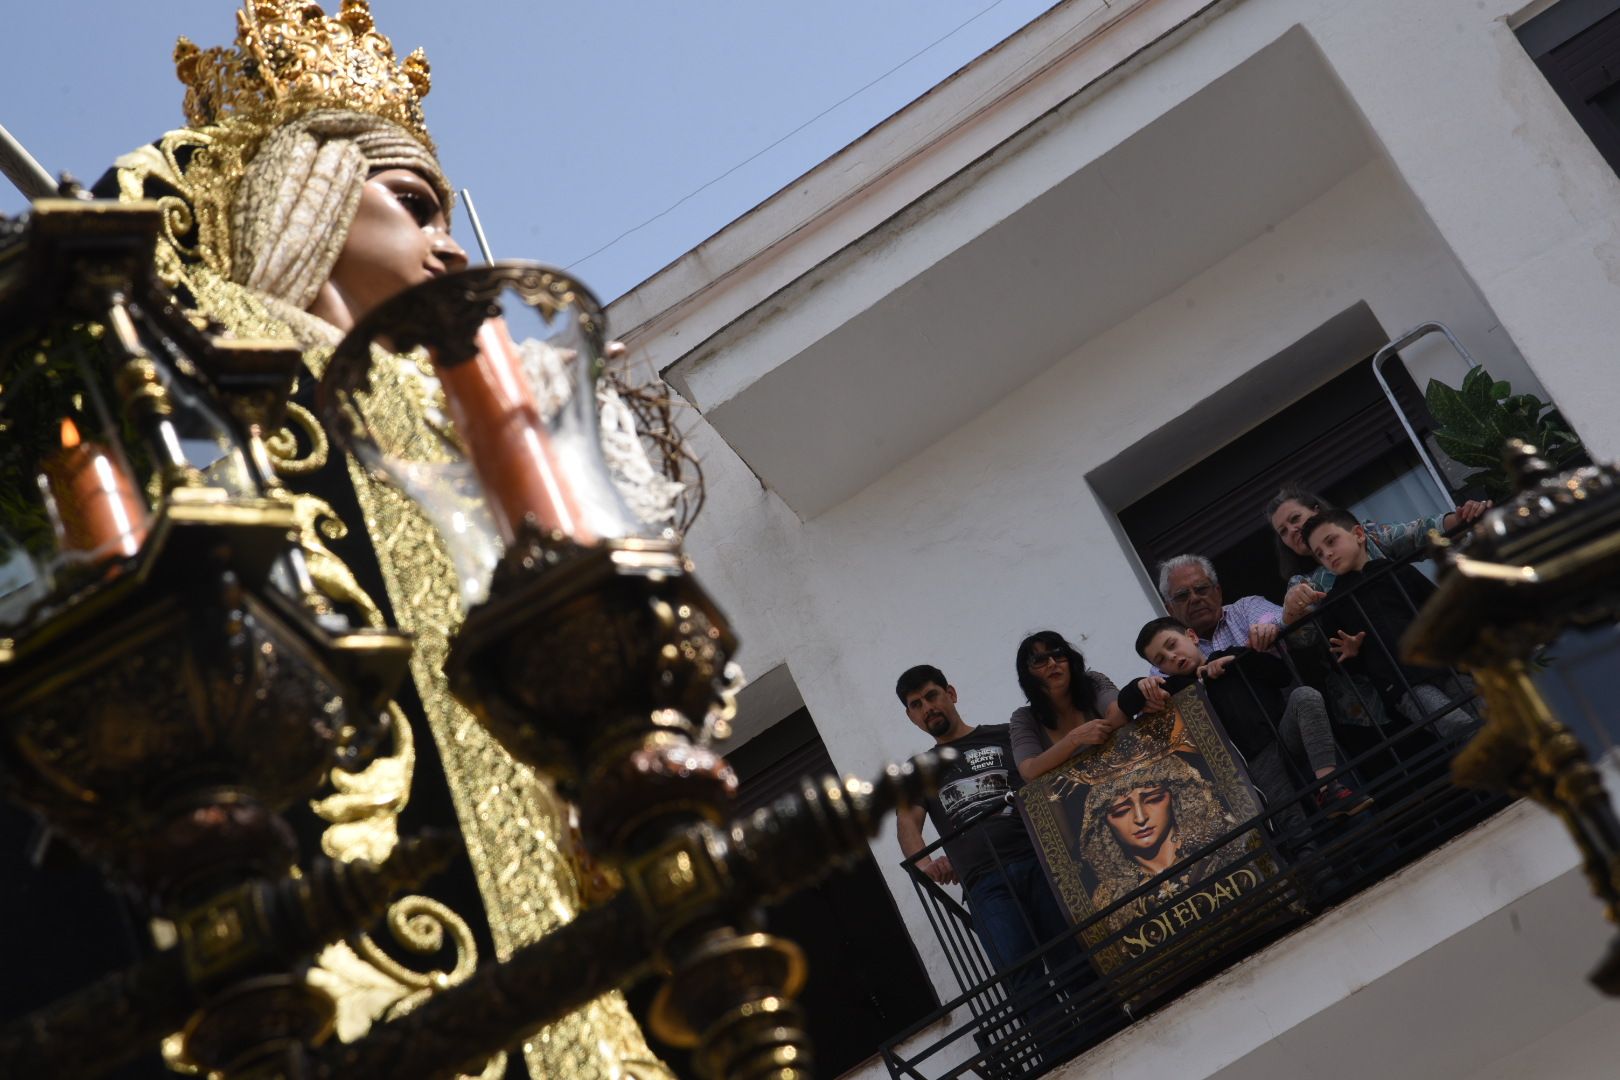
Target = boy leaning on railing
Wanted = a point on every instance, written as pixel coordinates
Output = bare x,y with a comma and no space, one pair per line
1382,598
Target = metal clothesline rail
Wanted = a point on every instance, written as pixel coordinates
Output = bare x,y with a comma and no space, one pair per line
1383,356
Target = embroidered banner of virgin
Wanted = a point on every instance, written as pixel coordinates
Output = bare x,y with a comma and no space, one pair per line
1117,829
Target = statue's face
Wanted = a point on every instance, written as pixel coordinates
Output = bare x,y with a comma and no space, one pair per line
1142,818
400,237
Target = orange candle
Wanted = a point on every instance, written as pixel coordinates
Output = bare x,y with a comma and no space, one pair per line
99,514
500,424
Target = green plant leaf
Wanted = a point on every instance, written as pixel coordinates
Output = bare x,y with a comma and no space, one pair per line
1476,390
1451,410
1474,455
1475,422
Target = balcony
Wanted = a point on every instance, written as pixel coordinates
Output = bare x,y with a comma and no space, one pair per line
1151,947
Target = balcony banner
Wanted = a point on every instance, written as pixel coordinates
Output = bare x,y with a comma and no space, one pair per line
1115,829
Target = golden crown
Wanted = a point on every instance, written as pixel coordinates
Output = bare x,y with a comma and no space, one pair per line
1149,740
290,57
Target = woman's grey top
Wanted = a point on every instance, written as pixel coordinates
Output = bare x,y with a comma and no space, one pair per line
1030,738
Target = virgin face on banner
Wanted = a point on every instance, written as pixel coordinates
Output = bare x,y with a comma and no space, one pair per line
1138,822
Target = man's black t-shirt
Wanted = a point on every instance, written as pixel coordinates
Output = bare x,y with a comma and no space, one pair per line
1247,697
976,785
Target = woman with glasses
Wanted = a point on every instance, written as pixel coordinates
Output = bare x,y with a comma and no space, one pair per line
1067,704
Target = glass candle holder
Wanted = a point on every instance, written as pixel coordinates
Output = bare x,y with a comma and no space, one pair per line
515,351
73,501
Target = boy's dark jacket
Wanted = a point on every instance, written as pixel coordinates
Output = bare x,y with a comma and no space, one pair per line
1247,697
1381,601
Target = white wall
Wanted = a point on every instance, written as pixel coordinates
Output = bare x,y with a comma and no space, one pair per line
1486,208
1511,182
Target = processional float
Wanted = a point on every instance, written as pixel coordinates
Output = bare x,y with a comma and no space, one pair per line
173,683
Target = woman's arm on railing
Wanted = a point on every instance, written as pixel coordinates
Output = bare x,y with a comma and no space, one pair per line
1065,746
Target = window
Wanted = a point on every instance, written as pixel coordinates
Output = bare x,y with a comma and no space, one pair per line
1342,441
1576,44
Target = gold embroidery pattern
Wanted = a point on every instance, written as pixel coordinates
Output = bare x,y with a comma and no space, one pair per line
180,219
369,985
512,821
364,807
317,523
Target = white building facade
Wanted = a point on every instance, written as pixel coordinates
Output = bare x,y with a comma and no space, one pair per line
930,376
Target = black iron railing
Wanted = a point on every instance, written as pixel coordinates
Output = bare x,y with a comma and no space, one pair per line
1396,743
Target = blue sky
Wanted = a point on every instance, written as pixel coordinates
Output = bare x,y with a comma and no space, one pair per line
571,124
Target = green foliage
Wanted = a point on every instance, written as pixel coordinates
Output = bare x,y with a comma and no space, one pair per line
1476,421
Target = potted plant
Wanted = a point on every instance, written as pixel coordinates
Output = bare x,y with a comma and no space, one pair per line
1475,421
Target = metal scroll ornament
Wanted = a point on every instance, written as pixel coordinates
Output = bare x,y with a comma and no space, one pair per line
1546,560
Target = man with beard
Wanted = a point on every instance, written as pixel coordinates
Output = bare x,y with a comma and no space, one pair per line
989,852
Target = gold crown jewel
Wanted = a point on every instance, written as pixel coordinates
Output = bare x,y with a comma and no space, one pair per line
1149,740
290,58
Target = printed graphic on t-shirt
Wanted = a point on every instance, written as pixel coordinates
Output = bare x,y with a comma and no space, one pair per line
981,791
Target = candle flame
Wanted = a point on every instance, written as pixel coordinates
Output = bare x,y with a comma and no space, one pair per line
70,433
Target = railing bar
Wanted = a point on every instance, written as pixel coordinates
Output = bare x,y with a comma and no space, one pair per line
939,932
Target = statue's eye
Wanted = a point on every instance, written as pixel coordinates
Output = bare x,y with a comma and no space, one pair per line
419,206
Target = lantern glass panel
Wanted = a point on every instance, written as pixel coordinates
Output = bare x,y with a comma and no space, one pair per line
73,493
507,359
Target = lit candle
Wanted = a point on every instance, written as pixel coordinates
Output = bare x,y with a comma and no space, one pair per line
99,514
505,435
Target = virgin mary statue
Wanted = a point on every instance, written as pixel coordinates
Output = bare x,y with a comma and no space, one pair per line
303,192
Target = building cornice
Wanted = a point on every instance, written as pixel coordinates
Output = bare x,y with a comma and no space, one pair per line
912,153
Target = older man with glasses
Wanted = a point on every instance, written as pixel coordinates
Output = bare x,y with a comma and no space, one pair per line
1192,593
1301,743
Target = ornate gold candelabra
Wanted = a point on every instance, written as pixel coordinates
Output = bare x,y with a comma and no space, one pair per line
170,689
1546,560
173,683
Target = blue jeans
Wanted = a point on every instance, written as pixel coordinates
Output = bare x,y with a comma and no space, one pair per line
1013,912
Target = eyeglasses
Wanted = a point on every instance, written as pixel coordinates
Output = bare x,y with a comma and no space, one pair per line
1180,596
1039,660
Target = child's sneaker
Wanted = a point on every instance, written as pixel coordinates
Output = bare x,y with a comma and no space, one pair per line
1341,800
